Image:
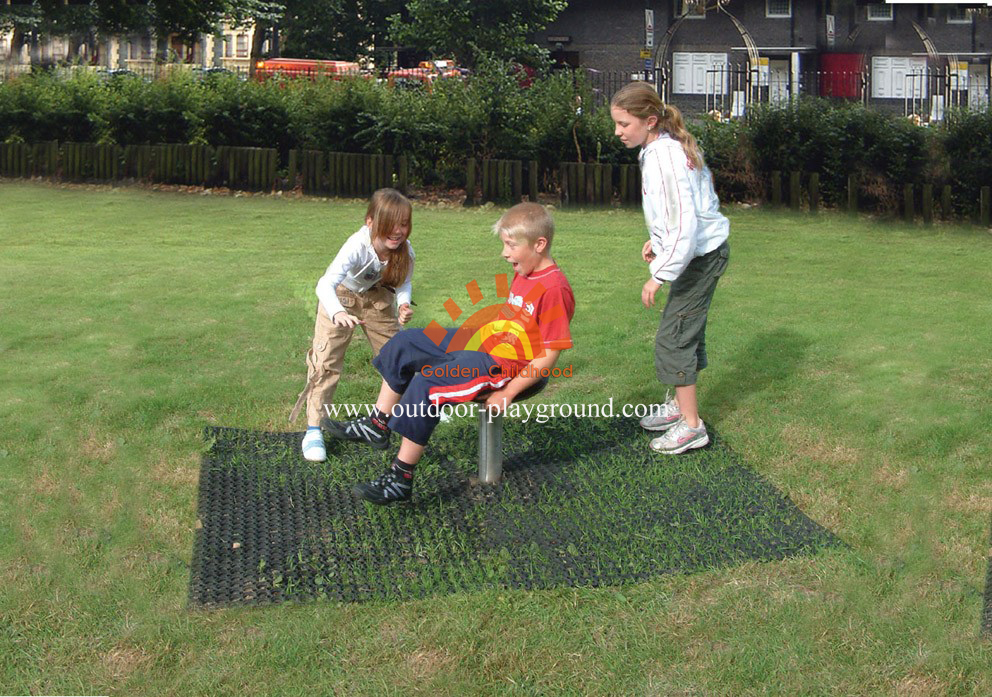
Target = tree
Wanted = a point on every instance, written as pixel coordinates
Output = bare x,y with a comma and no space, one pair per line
467,29
262,16
335,29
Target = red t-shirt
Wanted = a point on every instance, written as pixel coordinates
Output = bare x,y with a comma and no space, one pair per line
539,310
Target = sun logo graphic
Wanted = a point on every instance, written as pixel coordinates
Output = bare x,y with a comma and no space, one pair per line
506,329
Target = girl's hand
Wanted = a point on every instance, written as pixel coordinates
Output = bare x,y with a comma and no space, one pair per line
405,313
648,291
343,319
646,253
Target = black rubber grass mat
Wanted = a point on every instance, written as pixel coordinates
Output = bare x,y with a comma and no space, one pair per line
583,503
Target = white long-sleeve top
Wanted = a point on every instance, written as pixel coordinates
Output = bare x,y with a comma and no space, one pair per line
681,208
358,268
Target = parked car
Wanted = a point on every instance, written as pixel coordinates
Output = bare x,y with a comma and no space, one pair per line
425,74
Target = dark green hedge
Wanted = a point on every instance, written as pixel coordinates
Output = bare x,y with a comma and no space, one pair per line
490,116
486,116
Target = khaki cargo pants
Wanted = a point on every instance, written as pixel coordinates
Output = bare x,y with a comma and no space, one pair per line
326,356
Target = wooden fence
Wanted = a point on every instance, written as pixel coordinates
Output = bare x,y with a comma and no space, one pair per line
350,174
803,191
248,169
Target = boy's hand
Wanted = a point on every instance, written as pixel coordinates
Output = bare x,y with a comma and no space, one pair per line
343,319
405,313
498,401
648,291
646,253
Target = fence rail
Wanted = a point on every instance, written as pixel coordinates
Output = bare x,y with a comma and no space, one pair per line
349,174
247,169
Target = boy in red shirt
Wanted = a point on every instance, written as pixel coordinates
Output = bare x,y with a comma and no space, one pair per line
422,370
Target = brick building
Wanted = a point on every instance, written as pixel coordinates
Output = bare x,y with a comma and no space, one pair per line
917,58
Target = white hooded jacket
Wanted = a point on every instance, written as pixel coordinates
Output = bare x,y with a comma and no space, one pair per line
681,208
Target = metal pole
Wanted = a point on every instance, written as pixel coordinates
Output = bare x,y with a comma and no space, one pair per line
490,447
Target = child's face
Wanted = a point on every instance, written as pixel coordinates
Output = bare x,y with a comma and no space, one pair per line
397,236
631,130
523,256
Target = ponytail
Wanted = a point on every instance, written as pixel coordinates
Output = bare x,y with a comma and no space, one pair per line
670,121
641,100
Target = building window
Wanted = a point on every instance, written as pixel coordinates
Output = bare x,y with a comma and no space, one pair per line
958,15
693,9
3,47
228,45
778,8
898,77
879,12
700,73
242,46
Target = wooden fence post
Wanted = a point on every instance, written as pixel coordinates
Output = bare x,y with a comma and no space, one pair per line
484,181
606,195
908,210
795,193
852,194
776,188
292,168
402,175
563,184
927,204
984,203
532,180
470,182
518,181
945,202
814,192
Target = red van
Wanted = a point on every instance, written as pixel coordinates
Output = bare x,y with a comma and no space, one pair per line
308,68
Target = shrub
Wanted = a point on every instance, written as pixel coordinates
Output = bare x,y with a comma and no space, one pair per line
966,139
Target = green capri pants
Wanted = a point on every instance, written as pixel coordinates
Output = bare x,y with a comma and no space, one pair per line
680,346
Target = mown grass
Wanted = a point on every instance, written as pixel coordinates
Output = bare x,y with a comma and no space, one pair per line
849,366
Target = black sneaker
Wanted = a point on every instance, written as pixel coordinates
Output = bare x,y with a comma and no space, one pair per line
365,429
391,487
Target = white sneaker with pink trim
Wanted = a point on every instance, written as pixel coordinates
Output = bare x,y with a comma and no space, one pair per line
680,438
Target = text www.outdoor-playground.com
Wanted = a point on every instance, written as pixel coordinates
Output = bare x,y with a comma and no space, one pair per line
541,413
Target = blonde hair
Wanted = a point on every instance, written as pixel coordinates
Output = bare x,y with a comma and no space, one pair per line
387,209
640,99
528,221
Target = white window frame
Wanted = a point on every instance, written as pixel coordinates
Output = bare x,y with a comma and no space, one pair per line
242,40
694,62
885,5
228,46
768,11
693,14
967,17
889,77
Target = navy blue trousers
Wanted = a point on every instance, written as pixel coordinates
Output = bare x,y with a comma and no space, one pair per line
429,377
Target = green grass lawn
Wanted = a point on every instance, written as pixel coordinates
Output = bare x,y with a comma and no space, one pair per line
850,367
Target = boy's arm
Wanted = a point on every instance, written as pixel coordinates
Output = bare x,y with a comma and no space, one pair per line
500,399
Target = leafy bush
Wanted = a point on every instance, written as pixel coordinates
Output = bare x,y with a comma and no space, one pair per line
490,116
966,157
816,135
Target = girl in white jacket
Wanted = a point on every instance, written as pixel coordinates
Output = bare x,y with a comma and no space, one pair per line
686,248
368,285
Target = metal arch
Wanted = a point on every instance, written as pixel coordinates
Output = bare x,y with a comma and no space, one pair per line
927,43
720,5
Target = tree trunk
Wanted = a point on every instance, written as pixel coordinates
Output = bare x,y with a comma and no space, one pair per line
16,44
257,37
